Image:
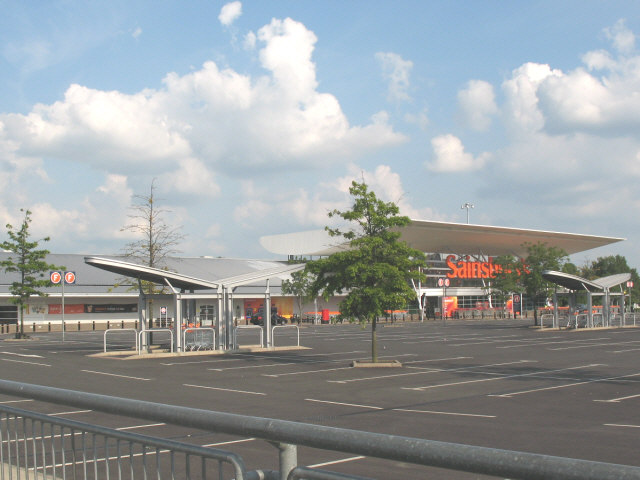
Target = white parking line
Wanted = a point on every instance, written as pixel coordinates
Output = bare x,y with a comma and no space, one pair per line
222,389
596,380
619,399
344,460
22,354
621,425
24,361
275,375
230,442
116,375
371,407
344,404
493,379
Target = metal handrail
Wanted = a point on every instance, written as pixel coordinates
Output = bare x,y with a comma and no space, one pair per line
121,330
247,327
474,459
152,330
273,331
30,441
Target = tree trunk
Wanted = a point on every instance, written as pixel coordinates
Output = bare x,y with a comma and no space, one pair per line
20,332
374,340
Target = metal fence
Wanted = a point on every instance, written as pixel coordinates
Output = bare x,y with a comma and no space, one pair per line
41,446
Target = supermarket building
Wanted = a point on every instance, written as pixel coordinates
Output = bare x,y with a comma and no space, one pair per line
204,290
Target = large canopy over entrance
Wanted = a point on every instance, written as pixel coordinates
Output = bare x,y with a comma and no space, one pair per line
443,237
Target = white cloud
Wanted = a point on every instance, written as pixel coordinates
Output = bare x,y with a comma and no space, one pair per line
136,32
397,71
450,156
229,13
477,103
601,99
207,121
622,38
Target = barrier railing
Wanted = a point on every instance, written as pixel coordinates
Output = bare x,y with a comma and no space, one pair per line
285,435
150,331
273,333
247,327
119,330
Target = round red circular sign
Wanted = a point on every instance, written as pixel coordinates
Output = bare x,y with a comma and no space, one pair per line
70,277
55,277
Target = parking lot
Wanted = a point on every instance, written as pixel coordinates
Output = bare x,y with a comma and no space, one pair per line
499,384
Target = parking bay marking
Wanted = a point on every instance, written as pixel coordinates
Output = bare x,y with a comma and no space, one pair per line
530,374
618,400
371,407
24,361
595,380
33,355
116,375
222,389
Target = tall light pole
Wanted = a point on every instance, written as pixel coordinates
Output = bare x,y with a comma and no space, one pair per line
467,205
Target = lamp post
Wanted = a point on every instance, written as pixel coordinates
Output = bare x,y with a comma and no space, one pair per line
467,205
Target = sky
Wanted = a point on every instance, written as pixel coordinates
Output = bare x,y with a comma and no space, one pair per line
253,118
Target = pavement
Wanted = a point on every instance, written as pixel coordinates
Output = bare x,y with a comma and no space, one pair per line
498,383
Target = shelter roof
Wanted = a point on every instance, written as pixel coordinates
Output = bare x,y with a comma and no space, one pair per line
444,237
245,273
575,283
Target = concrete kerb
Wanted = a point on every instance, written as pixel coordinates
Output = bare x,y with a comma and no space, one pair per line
133,355
370,364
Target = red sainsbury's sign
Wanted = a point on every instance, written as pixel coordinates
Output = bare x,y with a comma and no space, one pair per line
466,268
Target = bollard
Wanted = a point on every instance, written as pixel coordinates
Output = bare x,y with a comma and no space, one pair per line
93,325
49,327
107,324
33,327
122,324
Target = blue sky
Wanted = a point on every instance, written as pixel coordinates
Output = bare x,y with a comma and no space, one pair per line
254,117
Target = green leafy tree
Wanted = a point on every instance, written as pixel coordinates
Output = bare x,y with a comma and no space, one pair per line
509,278
29,263
525,274
375,271
299,286
540,257
611,265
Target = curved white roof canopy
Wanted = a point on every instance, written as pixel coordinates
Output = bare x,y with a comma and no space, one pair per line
575,283
185,282
443,237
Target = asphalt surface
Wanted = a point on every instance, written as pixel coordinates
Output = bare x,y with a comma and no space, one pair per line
499,384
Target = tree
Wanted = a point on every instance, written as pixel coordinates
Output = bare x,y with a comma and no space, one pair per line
300,286
157,239
539,258
525,274
375,271
509,278
611,265
29,262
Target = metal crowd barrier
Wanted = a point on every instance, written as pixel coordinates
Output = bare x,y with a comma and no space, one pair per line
118,330
273,333
25,451
247,327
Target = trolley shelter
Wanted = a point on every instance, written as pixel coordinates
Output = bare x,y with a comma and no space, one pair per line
186,289
573,284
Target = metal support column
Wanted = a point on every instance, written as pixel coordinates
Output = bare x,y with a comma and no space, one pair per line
267,315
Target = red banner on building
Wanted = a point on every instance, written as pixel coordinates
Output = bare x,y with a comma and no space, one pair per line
56,308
